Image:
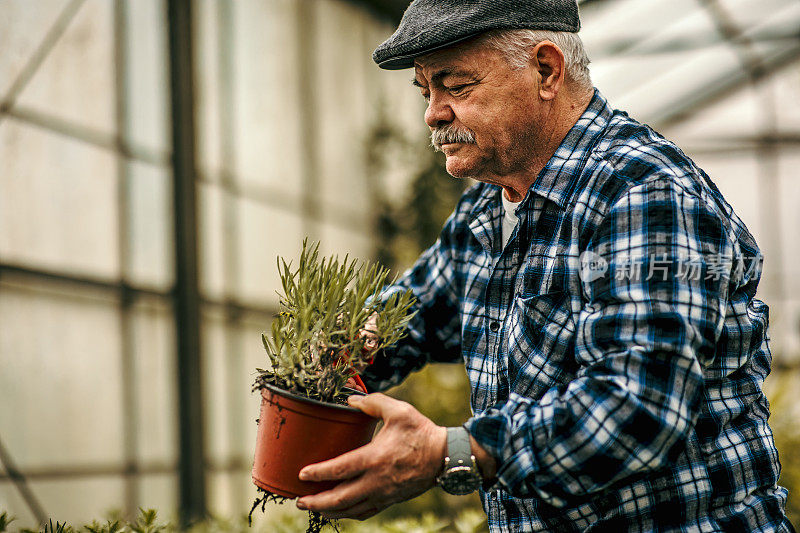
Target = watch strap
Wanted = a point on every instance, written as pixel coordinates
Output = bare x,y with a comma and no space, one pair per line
459,449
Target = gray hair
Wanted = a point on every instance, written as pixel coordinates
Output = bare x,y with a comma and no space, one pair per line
515,45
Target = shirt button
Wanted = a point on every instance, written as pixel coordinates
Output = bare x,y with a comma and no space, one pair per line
494,326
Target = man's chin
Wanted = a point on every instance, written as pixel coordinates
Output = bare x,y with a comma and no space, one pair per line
458,169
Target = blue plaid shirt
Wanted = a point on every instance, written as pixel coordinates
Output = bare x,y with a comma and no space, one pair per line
614,346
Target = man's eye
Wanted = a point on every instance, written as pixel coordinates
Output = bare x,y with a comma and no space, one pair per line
457,89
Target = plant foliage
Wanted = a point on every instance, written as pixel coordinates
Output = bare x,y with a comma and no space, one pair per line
332,321
5,519
145,522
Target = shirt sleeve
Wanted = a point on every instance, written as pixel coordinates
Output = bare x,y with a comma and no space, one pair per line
648,327
434,332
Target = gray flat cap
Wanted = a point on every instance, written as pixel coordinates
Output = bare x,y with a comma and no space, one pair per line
429,25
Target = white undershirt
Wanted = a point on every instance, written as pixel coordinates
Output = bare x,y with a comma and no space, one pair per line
509,218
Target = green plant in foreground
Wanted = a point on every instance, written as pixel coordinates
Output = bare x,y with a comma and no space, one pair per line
331,322
146,522
4,521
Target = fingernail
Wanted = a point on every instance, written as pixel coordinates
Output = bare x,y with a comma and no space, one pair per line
355,398
303,475
302,505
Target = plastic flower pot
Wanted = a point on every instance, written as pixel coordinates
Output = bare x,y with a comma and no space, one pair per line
294,431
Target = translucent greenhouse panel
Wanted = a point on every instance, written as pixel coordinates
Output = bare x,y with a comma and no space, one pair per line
738,116
266,95
58,202
61,378
789,199
788,163
693,76
338,240
154,380
344,115
265,232
231,495
150,226
666,27
207,93
786,87
784,315
232,352
617,76
216,391
146,63
75,83
159,492
211,235
75,500
220,495
612,25
23,27
80,500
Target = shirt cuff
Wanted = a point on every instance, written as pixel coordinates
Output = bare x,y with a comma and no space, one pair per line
494,431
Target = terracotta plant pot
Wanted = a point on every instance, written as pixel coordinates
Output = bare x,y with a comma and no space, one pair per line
294,431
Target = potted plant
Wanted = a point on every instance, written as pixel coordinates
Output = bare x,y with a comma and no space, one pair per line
330,324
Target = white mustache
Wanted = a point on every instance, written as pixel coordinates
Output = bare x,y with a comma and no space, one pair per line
450,134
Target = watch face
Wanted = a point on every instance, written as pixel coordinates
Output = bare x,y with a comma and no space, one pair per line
460,480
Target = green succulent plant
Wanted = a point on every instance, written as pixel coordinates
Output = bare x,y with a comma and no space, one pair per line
332,321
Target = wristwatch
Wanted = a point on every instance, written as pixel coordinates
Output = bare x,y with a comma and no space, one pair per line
460,475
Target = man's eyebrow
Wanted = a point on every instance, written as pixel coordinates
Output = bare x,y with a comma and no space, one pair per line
439,74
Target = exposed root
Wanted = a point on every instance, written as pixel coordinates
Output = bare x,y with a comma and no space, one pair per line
316,522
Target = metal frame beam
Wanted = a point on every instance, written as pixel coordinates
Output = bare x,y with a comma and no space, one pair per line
192,479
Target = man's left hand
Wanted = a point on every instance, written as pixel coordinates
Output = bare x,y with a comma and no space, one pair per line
401,462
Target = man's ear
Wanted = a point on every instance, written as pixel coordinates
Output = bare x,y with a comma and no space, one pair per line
548,60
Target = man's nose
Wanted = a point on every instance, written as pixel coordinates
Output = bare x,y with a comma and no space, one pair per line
438,113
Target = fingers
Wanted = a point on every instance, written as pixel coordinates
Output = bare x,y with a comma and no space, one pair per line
360,511
356,384
378,405
346,466
339,501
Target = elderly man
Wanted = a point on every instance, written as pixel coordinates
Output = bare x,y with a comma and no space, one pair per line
598,288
